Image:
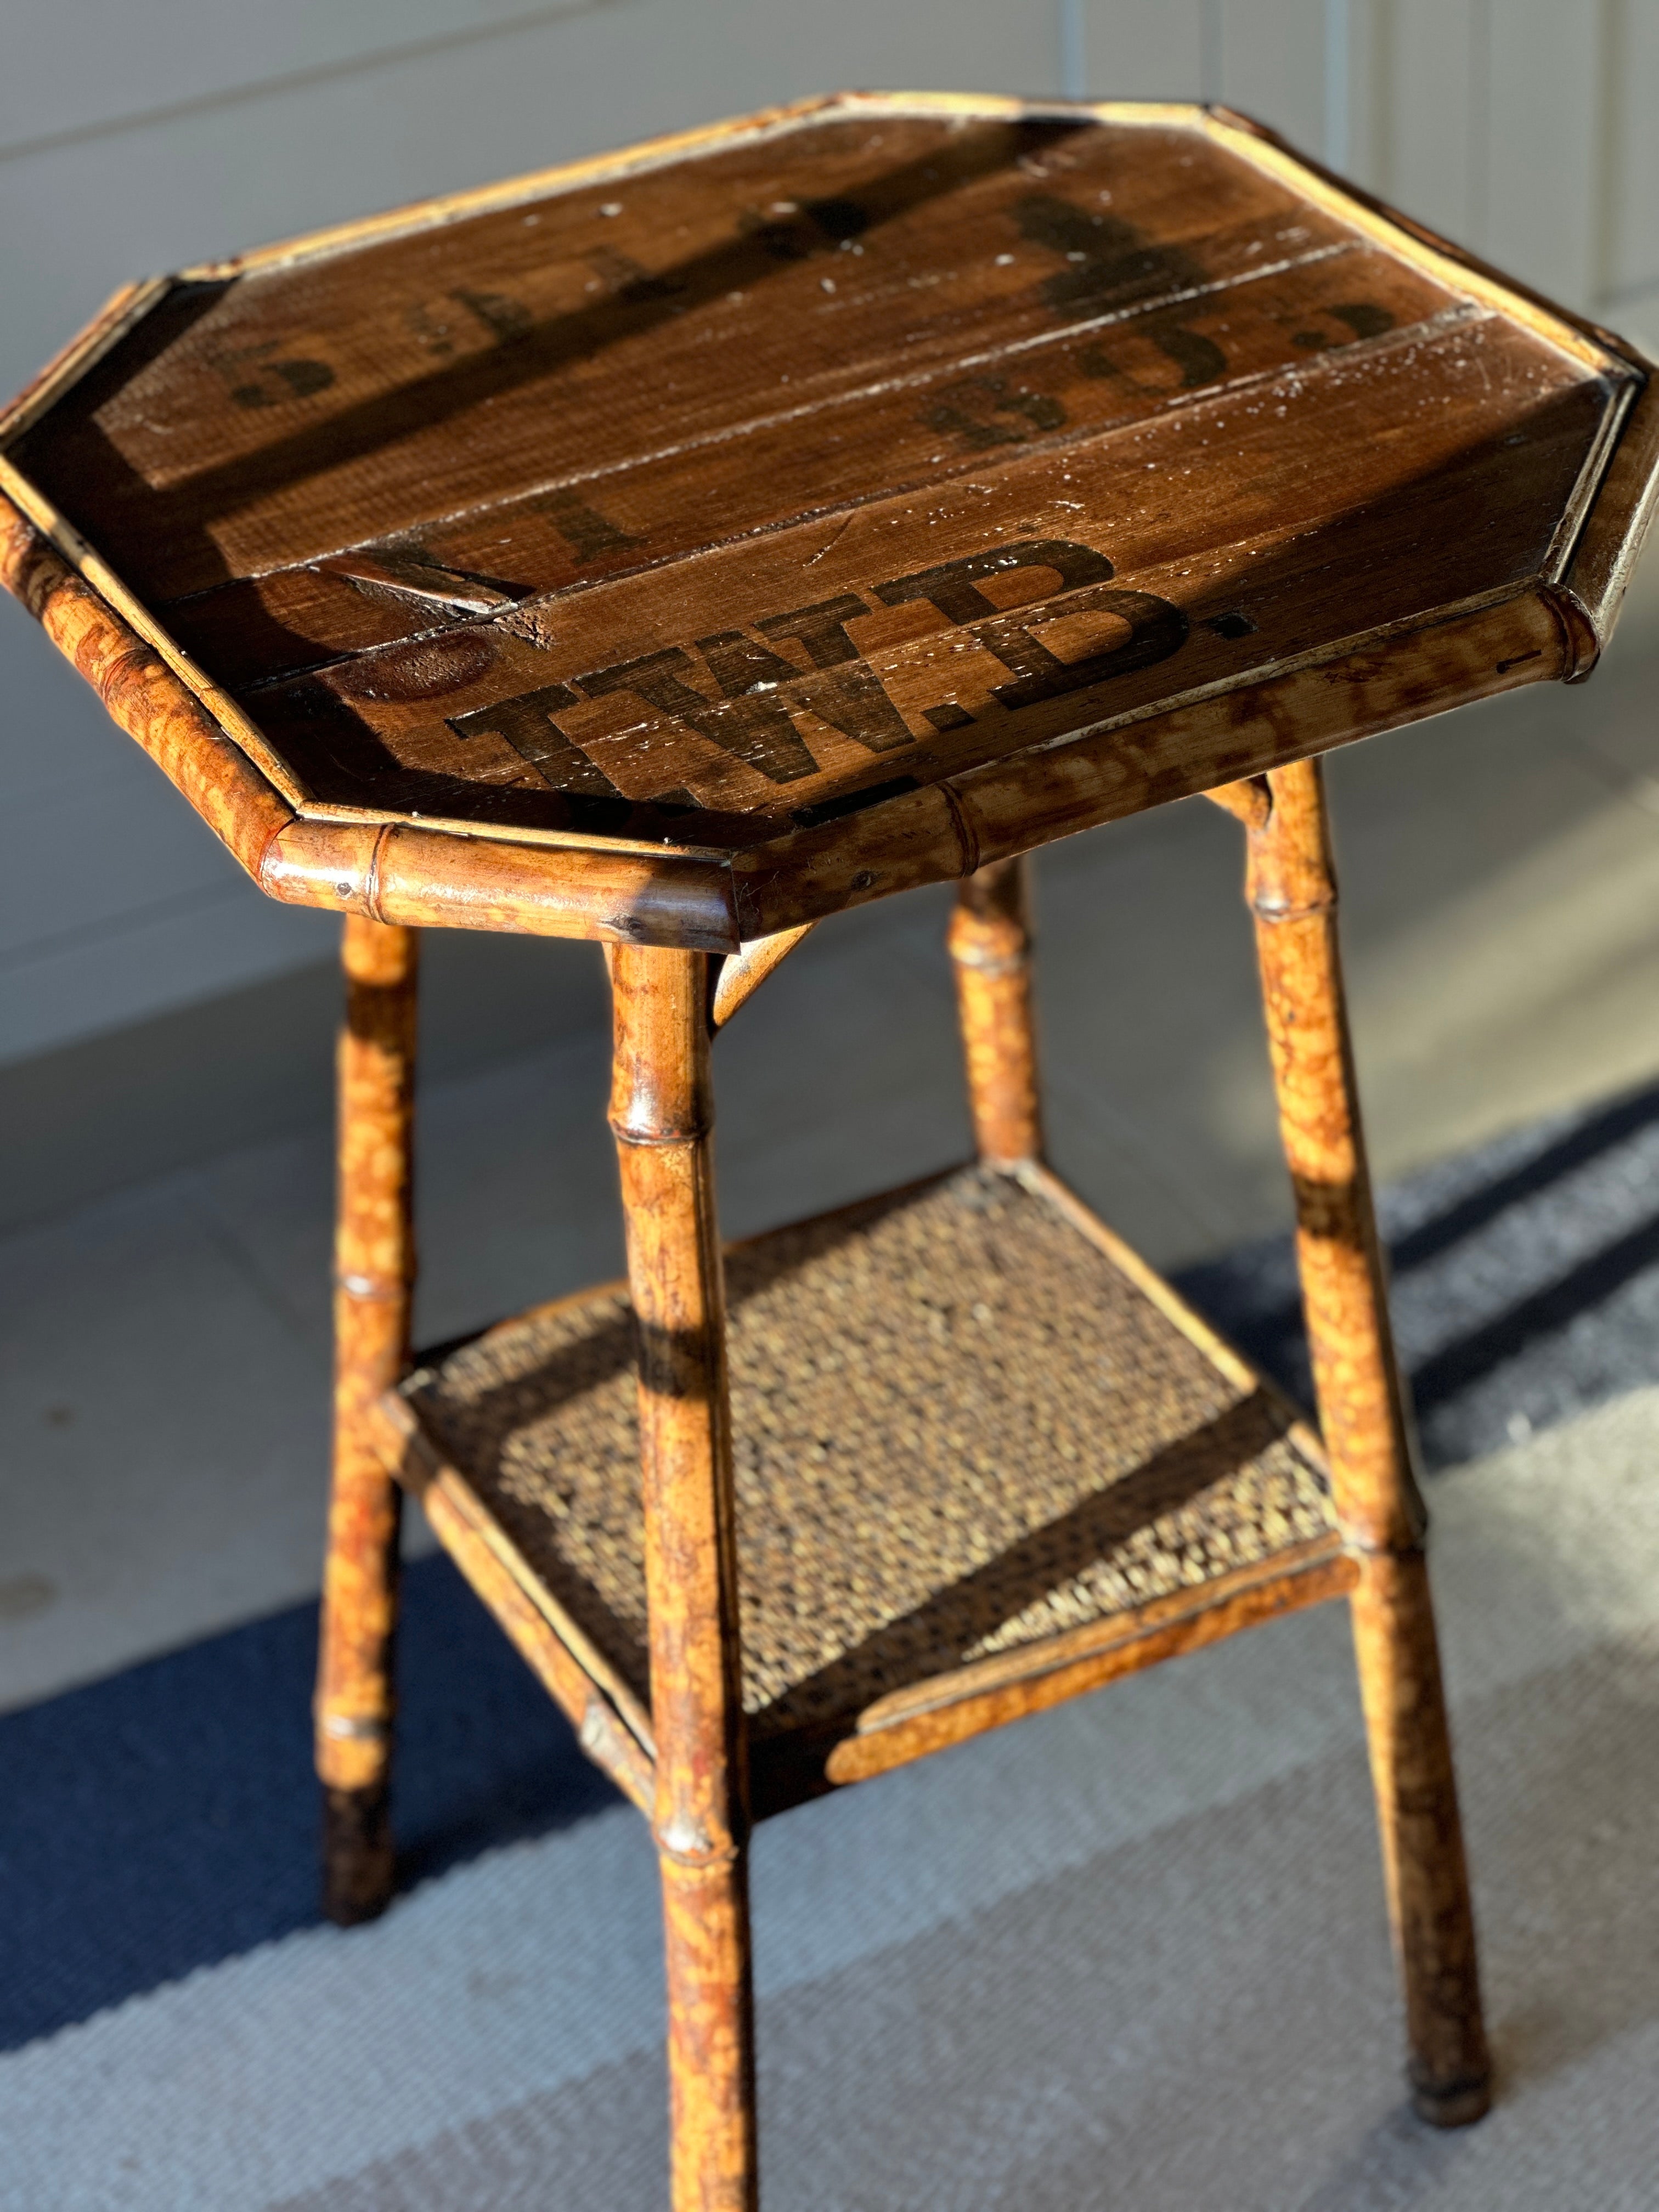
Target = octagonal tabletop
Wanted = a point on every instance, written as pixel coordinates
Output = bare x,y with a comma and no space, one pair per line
695,542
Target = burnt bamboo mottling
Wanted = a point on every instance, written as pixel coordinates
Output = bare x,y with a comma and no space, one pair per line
990,940
374,1283
142,694
1291,890
661,1113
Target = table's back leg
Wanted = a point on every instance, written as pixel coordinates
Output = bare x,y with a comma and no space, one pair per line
1292,894
990,941
374,1274
661,1113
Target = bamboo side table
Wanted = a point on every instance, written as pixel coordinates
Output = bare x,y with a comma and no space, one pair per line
682,548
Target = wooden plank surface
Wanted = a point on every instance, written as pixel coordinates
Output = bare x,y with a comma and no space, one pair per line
335,401
805,458
616,693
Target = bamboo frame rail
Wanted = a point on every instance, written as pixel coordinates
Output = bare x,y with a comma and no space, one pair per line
374,1278
661,1114
142,693
1291,887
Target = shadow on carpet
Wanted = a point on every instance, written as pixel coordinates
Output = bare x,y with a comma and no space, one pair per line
1525,1281
167,1818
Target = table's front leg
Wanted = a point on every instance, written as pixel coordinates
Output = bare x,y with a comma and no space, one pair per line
1292,894
375,1276
661,1113
990,940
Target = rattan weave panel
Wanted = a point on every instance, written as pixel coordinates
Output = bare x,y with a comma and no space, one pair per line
960,1429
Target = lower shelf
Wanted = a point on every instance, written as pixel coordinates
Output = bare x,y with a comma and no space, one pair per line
985,1459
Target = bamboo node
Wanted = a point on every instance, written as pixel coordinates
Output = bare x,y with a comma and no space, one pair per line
966,836
689,1130
355,1728
689,1842
991,963
376,1289
372,878
1266,906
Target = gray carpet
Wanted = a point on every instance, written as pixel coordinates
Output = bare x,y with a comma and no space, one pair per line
1129,1955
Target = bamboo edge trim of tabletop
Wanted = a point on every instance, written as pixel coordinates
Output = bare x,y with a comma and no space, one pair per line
434,870
941,831
390,871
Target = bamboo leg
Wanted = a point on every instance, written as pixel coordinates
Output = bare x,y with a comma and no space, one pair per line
661,1115
990,942
375,1272
1292,894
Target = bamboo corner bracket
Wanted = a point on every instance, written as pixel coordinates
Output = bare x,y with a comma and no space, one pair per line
678,549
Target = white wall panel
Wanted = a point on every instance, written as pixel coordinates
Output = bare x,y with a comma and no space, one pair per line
1272,66
1369,54
1631,73
1544,143
157,959
48,890
1144,49
1526,129
1432,161
81,63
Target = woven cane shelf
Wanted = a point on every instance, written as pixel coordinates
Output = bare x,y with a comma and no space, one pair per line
978,1446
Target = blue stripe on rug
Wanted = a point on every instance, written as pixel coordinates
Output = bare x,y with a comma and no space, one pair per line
167,1818
1525,1281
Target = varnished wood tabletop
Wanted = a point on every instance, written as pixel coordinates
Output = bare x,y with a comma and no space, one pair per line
692,544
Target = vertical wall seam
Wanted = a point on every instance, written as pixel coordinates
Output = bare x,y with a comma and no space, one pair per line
1481,148
1382,63
1072,41
1612,39
1212,57
1338,86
